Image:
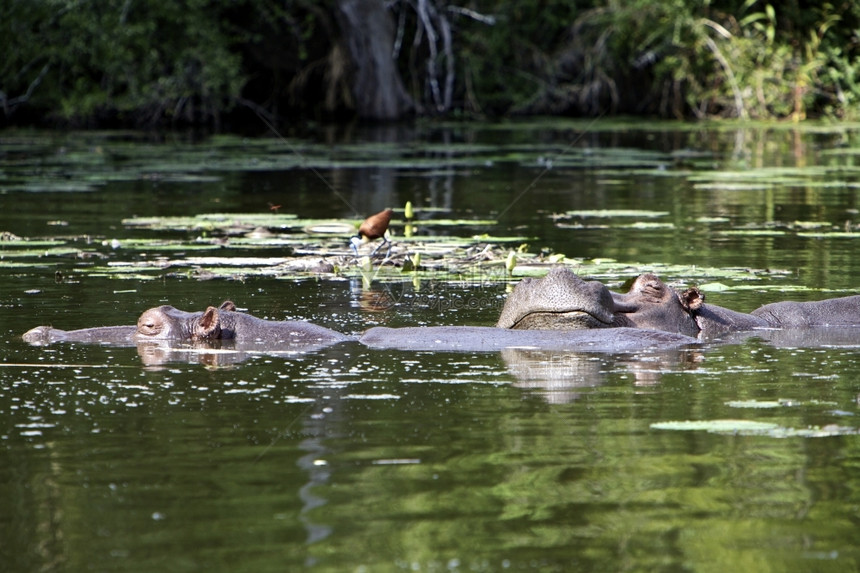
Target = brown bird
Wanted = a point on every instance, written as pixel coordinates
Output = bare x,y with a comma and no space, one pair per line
374,227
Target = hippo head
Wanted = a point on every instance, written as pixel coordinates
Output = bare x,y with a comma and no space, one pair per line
166,322
559,301
563,301
650,303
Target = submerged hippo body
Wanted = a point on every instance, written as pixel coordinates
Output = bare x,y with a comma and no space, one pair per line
115,335
556,301
489,339
166,323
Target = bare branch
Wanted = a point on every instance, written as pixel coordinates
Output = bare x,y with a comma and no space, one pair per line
10,104
445,28
488,20
256,108
436,26
718,55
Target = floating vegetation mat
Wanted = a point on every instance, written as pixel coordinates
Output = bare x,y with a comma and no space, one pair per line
238,246
620,219
284,246
223,245
243,223
241,245
89,160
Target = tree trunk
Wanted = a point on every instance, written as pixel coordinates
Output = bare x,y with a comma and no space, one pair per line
368,31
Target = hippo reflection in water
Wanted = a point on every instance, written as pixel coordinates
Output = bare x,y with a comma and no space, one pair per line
563,301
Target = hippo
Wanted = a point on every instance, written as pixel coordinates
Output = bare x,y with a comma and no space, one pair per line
166,323
558,312
563,301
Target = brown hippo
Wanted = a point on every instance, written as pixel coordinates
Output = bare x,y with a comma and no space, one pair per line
561,300
223,323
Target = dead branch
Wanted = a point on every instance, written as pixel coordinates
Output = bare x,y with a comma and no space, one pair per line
9,104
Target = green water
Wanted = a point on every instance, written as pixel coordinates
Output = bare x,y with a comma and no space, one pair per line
350,459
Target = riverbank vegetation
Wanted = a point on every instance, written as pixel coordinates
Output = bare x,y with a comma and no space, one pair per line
197,62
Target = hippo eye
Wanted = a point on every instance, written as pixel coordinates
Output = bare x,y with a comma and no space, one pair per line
148,326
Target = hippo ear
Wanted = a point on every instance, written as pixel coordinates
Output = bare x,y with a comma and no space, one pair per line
208,326
692,299
228,305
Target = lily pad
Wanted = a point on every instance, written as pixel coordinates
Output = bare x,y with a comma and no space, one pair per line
650,225
330,228
830,235
56,251
714,287
29,243
757,404
754,232
606,213
732,186
775,403
717,426
753,428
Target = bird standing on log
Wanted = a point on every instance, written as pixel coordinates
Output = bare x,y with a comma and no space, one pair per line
374,227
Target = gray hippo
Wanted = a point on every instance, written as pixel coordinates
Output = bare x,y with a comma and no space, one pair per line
166,323
557,312
561,300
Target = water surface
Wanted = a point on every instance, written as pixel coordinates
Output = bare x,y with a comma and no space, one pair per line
350,459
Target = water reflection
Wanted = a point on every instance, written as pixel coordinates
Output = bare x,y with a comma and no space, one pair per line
372,298
560,377
217,353
314,464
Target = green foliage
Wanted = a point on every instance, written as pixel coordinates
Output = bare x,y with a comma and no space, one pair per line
155,62
681,58
191,61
